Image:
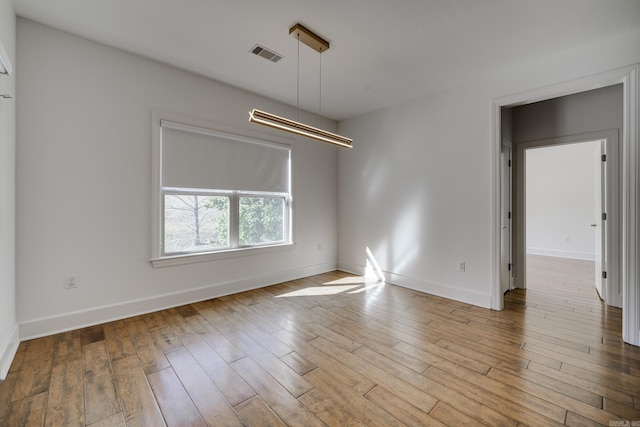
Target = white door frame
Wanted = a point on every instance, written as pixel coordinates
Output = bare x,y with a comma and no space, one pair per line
506,208
630,160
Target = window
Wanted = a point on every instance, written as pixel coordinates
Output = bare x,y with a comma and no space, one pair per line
218,192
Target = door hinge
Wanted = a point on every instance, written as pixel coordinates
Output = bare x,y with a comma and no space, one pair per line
509,215
509,267
604,157
509,163
604,216
604,274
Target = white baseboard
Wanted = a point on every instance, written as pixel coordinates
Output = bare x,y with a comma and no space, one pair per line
97,315
441,290
561,254
8,350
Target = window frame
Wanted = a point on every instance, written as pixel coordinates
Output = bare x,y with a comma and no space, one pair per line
161,259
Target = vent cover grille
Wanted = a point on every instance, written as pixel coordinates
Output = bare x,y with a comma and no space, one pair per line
266,53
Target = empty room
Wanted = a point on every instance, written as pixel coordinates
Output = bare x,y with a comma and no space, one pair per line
296,213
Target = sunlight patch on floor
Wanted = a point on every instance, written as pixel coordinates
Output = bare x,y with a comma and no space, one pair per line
350,285
318,291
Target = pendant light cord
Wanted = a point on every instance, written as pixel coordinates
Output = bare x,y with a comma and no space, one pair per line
320,90
298,83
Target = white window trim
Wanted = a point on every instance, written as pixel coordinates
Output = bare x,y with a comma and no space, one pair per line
158,259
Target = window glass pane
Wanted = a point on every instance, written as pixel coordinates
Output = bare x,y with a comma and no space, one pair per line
261,220
195,223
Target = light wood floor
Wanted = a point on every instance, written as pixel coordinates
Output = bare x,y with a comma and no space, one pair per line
331,350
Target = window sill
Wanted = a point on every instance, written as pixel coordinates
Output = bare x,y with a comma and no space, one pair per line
182,259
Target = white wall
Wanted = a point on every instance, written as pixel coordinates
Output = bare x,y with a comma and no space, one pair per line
560,200
8,326
84,185
417,188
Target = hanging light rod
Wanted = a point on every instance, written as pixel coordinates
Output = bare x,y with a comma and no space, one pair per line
320,45
277,122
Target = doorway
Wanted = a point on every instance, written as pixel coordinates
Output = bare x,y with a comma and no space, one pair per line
629,203
570,214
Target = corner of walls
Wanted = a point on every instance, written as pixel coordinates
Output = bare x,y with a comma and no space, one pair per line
445,291
8,326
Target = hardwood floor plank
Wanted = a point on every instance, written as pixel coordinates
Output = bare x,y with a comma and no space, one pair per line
410,393
179,325
65,403
287,407
506,400
400,408
394,355
328,410
588,411
165,338
186,311
151,357
298,363
556,385
361,335
494,344
100,394
118,341
91,334
450,416
584,384
388,365
480,413
35,375
139,404
154,320
6,391
595,374
287,377
575,420
223,346
351,401
275,346
256,413
623,411
116,420
33,380
434,359
342,373
29,411
174,401
67,347
211,403
583,360
235,389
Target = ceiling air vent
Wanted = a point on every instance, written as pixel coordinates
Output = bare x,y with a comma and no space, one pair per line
266,53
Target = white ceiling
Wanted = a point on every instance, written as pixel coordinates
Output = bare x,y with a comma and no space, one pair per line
382,52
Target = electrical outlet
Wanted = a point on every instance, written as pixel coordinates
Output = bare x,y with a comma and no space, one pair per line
71,281
461,266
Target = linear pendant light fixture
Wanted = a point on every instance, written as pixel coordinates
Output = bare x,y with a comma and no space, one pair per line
320,45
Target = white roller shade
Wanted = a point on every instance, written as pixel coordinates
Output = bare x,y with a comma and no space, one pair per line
194,157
